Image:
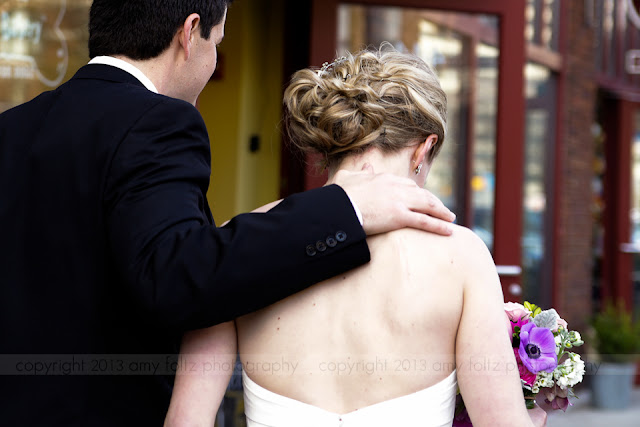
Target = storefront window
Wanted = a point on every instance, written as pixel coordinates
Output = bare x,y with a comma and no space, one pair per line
542,23
445,50
462,49
361,26
538,187
484,145
42,44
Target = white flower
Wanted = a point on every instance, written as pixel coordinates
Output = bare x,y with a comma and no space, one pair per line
543,380
570,372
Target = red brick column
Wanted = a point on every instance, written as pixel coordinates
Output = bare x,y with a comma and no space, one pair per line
575,155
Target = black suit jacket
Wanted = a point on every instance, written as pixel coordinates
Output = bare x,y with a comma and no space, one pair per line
108,251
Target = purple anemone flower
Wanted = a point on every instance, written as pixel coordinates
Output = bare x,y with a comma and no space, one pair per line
537,348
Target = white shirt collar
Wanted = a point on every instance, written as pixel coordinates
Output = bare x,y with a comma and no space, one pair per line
125,66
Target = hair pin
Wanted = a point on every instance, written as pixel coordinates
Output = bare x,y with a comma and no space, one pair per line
327,66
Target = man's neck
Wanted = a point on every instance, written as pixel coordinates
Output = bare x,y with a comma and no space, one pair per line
152,69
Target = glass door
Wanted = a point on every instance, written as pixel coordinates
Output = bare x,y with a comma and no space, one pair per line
479,172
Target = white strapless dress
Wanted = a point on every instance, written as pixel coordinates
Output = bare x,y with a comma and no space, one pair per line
431,407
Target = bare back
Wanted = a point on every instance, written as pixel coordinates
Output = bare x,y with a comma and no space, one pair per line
423,305
381,331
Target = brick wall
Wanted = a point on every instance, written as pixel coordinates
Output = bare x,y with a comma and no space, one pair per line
576,158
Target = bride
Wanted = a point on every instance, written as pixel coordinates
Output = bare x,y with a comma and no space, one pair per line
386,344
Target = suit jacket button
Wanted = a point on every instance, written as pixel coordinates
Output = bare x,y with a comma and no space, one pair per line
331,241
321,246
341,236
311,250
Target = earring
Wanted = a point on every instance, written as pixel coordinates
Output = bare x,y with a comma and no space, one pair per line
418,169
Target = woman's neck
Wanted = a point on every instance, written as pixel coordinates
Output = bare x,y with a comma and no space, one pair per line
397,163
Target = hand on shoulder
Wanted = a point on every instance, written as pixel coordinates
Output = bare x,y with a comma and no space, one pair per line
389,202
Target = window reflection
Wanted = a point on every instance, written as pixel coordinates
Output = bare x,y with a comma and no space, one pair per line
539,137
42,43
443,49
542,22
484,145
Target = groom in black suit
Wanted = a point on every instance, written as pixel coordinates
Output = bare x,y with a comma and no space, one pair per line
108,250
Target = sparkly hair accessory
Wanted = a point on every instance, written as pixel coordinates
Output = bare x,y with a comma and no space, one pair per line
327,66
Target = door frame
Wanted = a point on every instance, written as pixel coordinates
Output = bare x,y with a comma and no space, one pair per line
617,262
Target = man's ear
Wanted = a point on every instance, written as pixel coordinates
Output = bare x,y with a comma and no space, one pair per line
423,149
188,32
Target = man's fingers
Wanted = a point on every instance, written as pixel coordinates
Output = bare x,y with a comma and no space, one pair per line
425,202
427,223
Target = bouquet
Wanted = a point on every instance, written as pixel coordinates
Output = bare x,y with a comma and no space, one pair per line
540,340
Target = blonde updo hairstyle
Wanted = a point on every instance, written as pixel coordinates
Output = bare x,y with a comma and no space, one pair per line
383,99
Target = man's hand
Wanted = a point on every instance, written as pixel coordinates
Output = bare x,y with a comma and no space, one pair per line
388,202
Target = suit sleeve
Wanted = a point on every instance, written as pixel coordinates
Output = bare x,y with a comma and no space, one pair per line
183,271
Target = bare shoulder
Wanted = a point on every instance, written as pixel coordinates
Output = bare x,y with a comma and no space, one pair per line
480,270
460,252
463,250
470,251
462,241
468,242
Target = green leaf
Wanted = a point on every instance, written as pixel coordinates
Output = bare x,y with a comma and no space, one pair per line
534,309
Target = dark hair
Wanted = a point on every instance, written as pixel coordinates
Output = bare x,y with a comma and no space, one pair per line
143,29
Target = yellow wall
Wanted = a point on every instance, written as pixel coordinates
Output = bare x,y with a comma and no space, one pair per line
247,101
